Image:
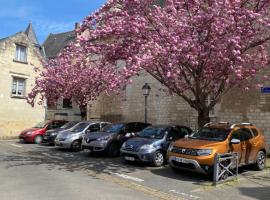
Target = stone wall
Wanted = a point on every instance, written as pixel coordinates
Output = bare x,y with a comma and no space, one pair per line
15,113
236,106
129,105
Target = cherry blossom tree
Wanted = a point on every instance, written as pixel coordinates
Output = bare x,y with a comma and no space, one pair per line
76,76
196,48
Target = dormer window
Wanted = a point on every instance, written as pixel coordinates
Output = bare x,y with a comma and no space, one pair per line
21,53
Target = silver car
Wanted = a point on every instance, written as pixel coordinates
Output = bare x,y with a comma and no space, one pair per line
72,139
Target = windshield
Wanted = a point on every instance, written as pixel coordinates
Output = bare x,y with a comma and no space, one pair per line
68,125
113,128
152,132
207,133
79,127
41,124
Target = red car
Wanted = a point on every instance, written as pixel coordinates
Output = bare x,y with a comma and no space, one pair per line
35,134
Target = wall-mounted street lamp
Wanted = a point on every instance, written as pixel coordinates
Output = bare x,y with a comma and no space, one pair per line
146,91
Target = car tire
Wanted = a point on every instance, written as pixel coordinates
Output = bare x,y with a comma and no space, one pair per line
38,139
113,150
260,161
158,159
76,146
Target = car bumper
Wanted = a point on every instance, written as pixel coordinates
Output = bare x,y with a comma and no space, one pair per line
49,139
188,164
95,146
66,144
26,138
142,156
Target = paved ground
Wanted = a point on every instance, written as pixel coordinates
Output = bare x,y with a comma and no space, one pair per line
30,172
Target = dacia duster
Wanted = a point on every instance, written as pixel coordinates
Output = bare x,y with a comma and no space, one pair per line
197,152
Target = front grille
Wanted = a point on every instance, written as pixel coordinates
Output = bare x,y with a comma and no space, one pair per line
184,151
130,149
184,165
130,155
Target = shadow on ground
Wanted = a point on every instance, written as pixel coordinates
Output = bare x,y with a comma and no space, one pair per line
260,193
62,159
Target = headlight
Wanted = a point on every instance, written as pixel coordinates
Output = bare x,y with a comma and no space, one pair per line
170,147
204,152
147,147
104,138
53,134
29,133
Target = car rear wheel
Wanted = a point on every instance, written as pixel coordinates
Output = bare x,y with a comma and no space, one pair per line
260,161
113,150
76,145
38,139
159,159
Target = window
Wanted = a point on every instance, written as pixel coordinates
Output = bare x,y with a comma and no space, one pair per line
67,103
18,87
94,127
255,132
20,53
246,134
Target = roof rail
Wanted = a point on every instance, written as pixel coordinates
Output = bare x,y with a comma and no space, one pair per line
216,123
207,124
243,123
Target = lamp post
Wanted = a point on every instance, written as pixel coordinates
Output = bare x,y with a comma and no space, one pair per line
146,91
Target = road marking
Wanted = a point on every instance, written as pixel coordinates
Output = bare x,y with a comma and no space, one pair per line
184,194
128,177
15,145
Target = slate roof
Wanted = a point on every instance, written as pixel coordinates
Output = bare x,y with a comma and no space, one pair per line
31,34
56,42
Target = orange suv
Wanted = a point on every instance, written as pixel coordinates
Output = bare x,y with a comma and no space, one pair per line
197,152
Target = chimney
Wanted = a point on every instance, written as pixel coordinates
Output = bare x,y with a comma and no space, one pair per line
77,25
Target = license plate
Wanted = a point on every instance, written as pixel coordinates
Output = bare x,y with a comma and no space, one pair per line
129,158
87,150
182,160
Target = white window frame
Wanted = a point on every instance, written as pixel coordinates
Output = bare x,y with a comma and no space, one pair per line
18,53
16,78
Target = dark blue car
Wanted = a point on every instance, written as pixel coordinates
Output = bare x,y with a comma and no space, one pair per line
151,144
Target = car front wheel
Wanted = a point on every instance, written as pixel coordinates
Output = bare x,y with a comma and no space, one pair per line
113,150
159,159
260,161
76,146
38,139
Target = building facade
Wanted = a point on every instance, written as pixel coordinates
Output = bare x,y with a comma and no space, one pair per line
19,54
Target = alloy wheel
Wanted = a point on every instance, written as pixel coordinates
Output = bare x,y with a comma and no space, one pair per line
159,159
261,160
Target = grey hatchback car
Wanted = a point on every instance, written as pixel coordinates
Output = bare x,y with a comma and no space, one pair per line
151,144
72,139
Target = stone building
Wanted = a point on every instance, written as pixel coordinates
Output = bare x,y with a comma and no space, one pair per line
19,54
65,108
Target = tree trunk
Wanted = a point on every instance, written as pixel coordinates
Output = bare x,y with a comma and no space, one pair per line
83,110
203,117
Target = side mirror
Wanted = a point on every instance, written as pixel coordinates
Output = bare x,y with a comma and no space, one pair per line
235,141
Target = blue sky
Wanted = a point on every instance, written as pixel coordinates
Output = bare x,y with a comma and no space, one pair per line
47,16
